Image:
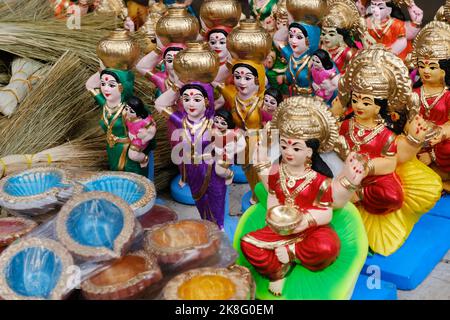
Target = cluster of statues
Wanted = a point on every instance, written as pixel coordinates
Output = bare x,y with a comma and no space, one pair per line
353,97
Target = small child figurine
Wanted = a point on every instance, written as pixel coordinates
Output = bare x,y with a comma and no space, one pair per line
272,98
325,75
141,129
228,141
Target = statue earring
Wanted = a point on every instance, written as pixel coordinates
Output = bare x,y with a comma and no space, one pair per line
308,162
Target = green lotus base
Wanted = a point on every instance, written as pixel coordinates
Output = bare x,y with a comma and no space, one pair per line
336,282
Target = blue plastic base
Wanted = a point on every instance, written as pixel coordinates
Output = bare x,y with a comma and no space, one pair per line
245,202
369,288
181,195
239,175
442,208
410,265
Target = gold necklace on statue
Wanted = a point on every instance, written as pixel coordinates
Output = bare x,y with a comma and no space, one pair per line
309,176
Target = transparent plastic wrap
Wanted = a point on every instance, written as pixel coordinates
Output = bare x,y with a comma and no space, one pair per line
211,283
183,245
14,228
138,191
92,230
36,191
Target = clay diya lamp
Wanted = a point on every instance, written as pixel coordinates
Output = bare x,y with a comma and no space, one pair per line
35,269
12,229
96,225
159,214
138,191
183,242
283,219
211,284
126,278
35,191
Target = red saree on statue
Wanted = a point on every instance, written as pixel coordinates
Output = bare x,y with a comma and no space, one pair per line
315,248
384,193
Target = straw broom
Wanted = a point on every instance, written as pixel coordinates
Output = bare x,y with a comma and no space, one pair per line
83,153
49,112
25,74
14,9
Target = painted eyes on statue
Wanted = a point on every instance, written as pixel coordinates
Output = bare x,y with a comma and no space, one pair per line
298,36
110,84
214,42
365,103
237,76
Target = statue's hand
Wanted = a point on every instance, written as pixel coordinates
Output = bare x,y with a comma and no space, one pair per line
282,254
336,108
354,168
416,14
418,128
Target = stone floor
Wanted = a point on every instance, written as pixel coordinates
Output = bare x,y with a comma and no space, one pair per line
435,287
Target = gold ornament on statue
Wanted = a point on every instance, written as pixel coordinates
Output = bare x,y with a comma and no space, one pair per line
221,13
381,74
303,117
281,11
432,42
178,26
341,14
196,63
118,50
249,41
307,11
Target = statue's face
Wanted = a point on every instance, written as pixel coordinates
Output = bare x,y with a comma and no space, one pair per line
110,88
168,60
430,71
220,123
218,43
379,9
294,151
245,81
129,112
316,63
331,38
364,106
269,24
297,40
270,103
282,23
194,103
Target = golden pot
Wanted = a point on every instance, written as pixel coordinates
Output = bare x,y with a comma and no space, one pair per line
221,13
249,41
196,63
178,26
307,11
283,219
118,50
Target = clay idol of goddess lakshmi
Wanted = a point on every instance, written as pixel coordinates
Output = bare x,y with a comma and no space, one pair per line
397,188
112,87
431,55
301,185
386,25
196,67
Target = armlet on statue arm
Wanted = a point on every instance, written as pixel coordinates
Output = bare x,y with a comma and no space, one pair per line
341,148
390,149
321,200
